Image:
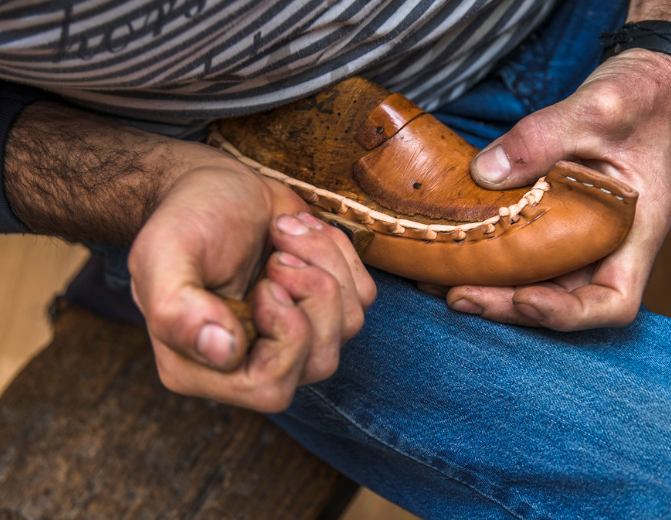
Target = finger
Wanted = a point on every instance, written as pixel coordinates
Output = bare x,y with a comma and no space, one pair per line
533,146
363,282
492,303
180,312
502,304
604,294
318,294
278,359
267,381
611,299
591,306
316,247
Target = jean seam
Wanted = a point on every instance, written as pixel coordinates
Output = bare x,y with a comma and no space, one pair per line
360,428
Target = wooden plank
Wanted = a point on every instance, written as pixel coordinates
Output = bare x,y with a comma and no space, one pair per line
32,269
88,432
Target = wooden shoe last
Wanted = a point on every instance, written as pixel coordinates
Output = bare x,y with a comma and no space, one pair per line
376,158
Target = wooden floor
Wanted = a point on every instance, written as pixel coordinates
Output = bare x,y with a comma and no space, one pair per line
33,270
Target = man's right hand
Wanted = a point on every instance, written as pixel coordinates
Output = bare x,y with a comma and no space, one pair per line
206,224
208,236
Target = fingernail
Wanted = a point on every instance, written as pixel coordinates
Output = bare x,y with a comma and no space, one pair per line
311,219
280,294
492,165
215,344
290,260
530,311
466,306
291,225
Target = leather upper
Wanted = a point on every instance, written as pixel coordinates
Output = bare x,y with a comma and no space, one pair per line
409,182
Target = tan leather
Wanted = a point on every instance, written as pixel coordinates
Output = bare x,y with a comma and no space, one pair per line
431,222
423,169
578,221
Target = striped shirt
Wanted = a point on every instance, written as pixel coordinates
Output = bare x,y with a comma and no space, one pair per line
181,62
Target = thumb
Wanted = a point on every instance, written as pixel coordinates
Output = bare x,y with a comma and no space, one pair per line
529,150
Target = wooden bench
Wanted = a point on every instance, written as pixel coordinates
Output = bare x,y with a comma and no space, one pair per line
87,431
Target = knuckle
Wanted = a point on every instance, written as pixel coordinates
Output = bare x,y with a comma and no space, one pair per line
325,367
170,378
161,315
609,102
354,322
325,283
608,106
274,398
368,292
626,315
560,321
511,317
531,137
331,367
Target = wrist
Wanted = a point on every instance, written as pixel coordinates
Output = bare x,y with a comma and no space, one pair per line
651,64
80,176
652,35
640,10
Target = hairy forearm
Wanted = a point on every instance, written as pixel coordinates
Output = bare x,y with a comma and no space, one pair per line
640,10
79,176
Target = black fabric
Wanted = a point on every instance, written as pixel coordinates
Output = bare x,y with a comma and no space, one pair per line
90,289
13,99
653,35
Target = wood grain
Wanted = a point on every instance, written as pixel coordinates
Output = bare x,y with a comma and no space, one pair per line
87,431
315,140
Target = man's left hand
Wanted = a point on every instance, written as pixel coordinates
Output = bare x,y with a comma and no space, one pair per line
618,122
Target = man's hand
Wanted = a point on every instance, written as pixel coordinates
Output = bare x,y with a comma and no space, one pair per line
206,225
617,122
209,235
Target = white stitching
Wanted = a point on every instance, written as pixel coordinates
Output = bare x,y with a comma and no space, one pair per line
395,226
588,185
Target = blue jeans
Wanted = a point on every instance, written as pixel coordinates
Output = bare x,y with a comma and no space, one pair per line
452,416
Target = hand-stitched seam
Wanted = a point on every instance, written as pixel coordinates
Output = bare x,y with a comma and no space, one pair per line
395,226
588,185
366,215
